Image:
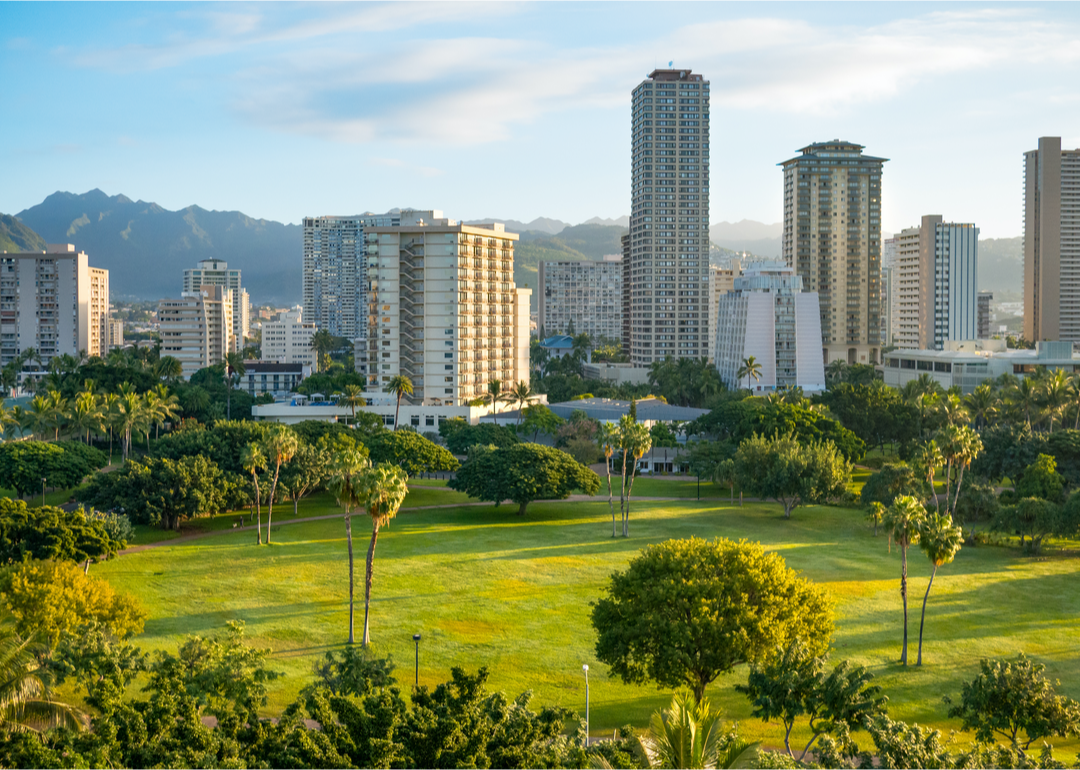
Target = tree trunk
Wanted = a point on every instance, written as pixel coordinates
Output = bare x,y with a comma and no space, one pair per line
86,567
903,595
622,488
258,512
521,508
610,493
397,410
959,481
626,516
348,539
270,503
295,505
948,484
922,620
367,582
228,398
933,488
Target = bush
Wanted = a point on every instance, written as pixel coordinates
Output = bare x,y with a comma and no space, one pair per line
459,440
583,450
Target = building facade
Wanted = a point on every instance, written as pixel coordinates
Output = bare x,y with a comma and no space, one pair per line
1052,242
966,364
214,272
669,220
939,269
115,328
832,237
985,298
196,329
721,281
271,377
335,268
444,310
52,302
890,297
287,340
769,316
586,294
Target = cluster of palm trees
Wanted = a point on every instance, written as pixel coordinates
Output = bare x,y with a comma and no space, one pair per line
521,395
124,414
686,381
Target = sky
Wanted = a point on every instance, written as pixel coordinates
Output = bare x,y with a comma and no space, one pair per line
520,110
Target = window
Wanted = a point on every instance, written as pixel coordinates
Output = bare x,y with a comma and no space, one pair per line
429,420
449,391
448,367
448,355
415,420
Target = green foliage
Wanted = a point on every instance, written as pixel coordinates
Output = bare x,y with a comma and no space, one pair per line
354,673
687,734
685,381
1012,699
706,456
23,464
1008,448
223,444
686,611
16,237
583,450
791,473
52,598
793,684
165,492
979,503
331,381
893,480
522,473
1035,519
408,449
461,438
537,419
53,533
1041,480
663,435
874,412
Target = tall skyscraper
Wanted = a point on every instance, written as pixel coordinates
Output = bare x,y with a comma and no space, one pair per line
669,222
890,295
832,237
1052,242
215,272
985,298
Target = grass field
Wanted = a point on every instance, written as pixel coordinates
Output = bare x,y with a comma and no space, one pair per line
487,588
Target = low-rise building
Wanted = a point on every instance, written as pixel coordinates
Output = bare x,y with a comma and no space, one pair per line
272,377
649,411
423,417
967,364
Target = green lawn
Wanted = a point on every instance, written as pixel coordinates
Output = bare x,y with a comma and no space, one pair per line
487,588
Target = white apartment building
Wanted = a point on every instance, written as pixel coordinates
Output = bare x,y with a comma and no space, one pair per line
214,272
197,328
939,269
53,302
1052,242
335,268
115,329
444,310
668,282
890,295
721,281
770,317
287,340
586,294
832,237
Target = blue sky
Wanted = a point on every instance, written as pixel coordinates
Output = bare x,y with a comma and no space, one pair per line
522,110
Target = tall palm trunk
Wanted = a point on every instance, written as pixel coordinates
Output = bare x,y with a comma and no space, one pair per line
110,444
629,490
622,490
397,410
258,509
367,581
922,620
348,539
948,482
959,481
610,494
903,595
270,502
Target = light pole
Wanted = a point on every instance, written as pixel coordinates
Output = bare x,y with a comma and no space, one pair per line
585,668
42,491
416,674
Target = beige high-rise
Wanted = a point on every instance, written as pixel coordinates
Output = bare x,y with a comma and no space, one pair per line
1052,242
721,281
832,237
669,221
197,328
215,272
443,310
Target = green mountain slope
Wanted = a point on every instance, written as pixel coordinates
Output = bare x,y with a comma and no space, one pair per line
15,236
578,243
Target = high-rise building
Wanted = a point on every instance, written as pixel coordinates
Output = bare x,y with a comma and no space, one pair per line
214,272
890,296
53,302
625,243
335,268
721,281
444,311
197,329
669,219
115,327
767,315
287,340
587,294
832,237
938,283
1052,242
985,298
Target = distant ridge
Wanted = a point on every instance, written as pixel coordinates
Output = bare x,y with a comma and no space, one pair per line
17,237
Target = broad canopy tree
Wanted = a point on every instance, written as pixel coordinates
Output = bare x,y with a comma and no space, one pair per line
522,473
408,449
782,469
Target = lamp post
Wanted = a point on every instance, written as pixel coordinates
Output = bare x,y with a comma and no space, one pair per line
416,674
42,491
585,668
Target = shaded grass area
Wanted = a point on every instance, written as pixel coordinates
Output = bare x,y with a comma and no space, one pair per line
487,588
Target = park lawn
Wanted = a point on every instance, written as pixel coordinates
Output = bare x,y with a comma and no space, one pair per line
487,588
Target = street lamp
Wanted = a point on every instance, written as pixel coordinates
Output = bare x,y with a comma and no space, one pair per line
42,491
416,675
585,668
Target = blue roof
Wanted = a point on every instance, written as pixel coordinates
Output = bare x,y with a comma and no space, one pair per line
558,341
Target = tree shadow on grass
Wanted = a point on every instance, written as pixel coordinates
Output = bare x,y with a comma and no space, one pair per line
216,620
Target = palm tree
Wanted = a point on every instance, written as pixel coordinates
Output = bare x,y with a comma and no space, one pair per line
493,396
109,414
253,461
904,519
1025,394
952,410
234,368
169,369
281,446
521,395
635,441
689,734
1055,395
928,457
750,368
7,417
346,480
607,438
940,540
322,342
982,404
25,702
959,447
835,371
399,385
382,491
354,397
86,415
38,418
876,514
130,416
57,412
168,407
